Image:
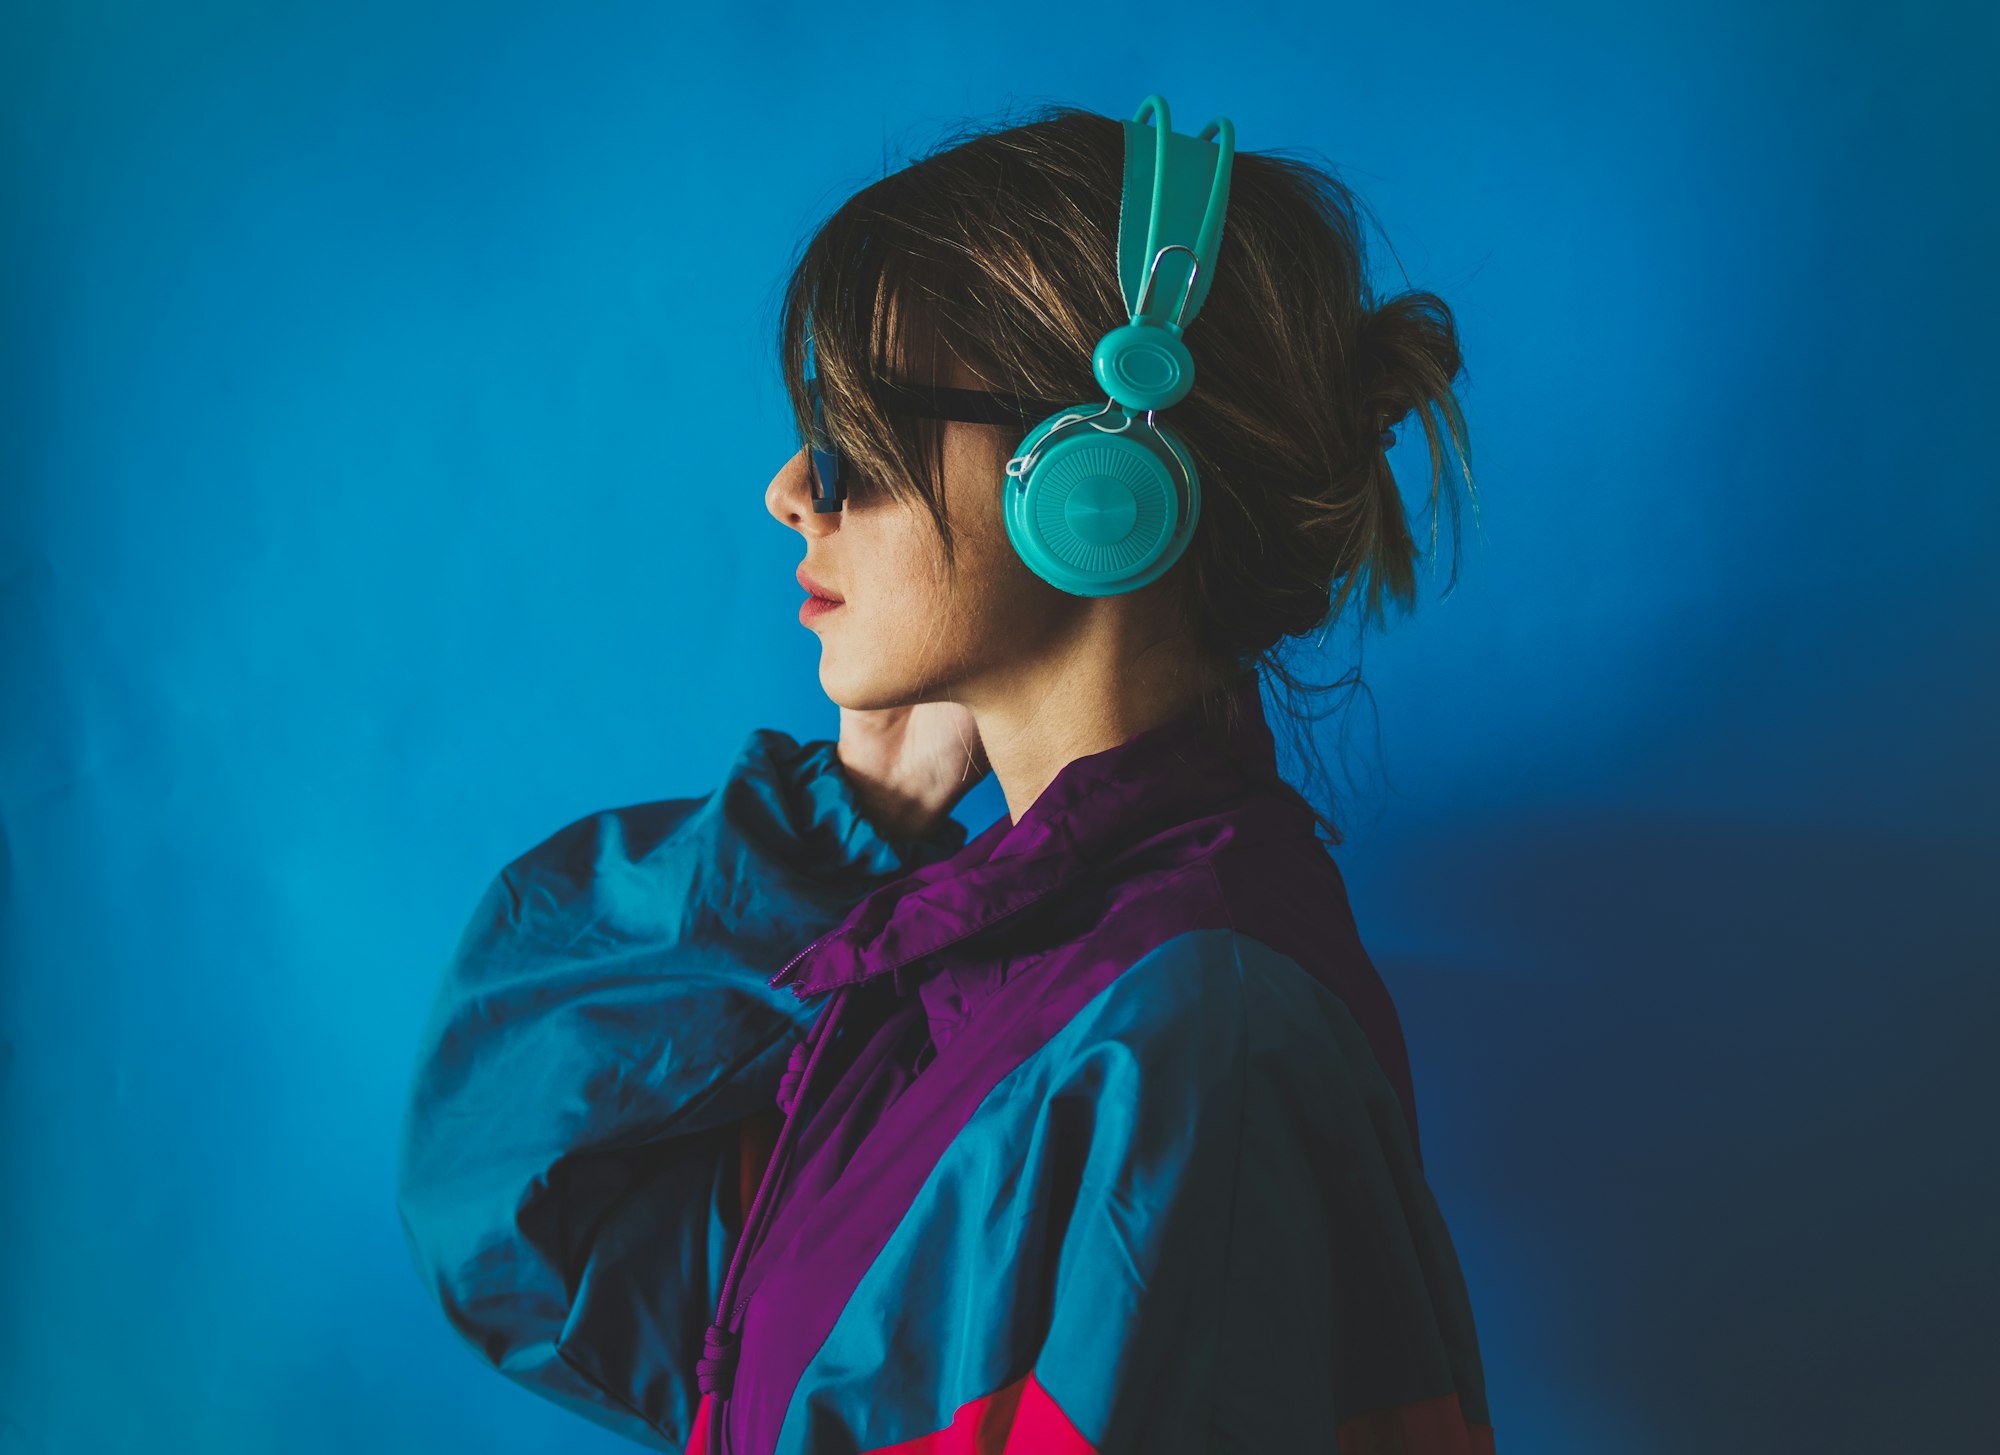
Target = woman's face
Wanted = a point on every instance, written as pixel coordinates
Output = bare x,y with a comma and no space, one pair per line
903,634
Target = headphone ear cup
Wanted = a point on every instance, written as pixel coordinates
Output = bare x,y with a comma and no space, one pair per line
1099,513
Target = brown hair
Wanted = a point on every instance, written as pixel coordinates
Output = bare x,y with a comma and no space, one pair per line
1001,244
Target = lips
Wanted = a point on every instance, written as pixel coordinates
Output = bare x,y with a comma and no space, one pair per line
814,588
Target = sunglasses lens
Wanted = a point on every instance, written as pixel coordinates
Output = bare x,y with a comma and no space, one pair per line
828,488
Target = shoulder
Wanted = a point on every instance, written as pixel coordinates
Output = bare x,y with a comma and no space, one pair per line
1213,1009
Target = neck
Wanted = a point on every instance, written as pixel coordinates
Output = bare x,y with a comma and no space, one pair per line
1034,718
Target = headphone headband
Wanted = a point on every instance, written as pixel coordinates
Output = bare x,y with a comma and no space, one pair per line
1176,194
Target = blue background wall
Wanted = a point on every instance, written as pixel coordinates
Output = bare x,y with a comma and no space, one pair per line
387,405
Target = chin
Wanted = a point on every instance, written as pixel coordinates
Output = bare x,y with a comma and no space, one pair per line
856,688
868,686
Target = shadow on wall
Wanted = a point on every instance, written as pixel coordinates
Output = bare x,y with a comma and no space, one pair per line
1724,1181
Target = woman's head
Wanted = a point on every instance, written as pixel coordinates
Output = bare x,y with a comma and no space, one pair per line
991,263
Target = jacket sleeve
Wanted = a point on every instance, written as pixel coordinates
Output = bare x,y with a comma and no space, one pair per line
1252,1259
601,1046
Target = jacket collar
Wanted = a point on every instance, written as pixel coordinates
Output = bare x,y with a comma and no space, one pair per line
1096,809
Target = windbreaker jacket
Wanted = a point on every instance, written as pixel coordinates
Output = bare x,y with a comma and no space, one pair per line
739,1127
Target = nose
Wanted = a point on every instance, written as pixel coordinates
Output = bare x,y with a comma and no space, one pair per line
789,498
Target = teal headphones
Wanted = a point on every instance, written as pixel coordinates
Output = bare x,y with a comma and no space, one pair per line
1100,500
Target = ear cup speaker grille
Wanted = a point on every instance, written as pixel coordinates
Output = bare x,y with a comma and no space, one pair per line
1102,508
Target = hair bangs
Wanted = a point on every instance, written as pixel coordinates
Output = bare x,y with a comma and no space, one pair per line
859,315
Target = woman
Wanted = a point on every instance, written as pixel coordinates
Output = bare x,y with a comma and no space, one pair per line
1094,1133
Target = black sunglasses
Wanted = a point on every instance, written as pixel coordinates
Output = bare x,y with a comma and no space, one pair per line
925,401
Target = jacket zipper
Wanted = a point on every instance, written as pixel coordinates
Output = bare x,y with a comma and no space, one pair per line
775,979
